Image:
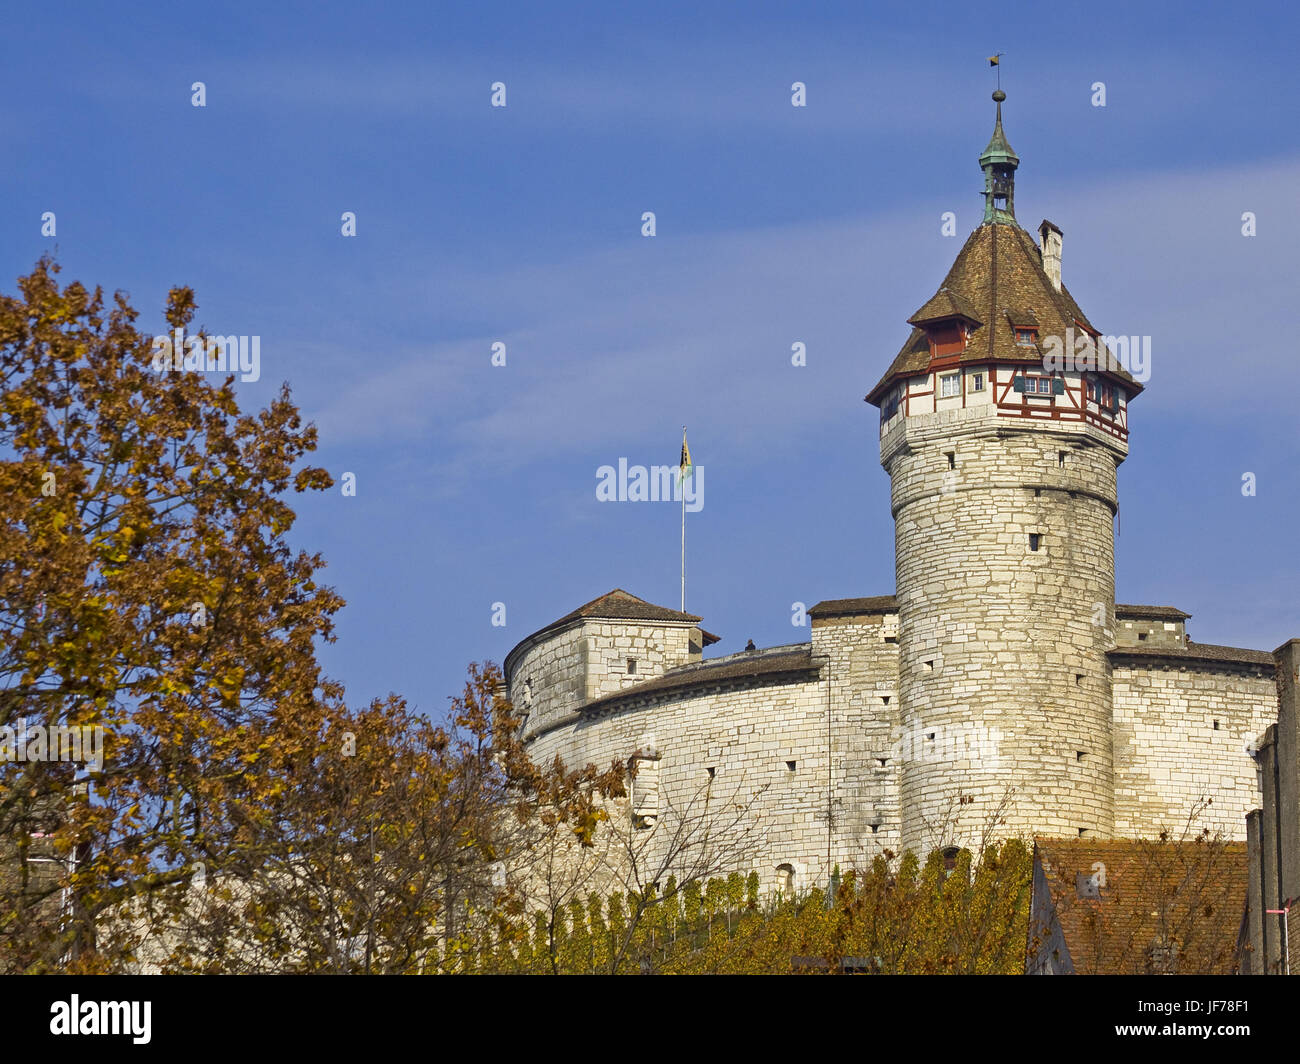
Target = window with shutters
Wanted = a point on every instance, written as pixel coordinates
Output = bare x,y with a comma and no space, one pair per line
1040,385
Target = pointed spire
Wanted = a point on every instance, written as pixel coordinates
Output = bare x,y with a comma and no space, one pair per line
999,163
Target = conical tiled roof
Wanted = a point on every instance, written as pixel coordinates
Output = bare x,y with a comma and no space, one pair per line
998,281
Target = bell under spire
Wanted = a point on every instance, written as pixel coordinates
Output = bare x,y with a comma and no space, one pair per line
999,164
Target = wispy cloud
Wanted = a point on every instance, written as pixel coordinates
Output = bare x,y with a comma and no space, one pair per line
602,345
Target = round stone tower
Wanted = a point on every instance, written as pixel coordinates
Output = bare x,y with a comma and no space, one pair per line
1002,439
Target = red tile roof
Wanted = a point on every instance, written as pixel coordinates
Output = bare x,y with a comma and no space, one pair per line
1182,898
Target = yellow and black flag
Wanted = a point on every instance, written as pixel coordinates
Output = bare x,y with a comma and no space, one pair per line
684,468
993,59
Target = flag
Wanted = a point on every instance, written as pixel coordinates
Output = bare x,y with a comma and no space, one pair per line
993,60
684,467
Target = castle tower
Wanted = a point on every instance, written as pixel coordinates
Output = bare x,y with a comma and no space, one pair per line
1002,451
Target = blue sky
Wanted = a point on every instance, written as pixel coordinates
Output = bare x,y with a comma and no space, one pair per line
775,224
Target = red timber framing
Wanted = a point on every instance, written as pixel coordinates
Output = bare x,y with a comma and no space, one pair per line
1070,405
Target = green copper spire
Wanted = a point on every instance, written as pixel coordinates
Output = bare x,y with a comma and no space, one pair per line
999,164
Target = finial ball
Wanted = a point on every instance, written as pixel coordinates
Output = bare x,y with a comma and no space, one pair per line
999,96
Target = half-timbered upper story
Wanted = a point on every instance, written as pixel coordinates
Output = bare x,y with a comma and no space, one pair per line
1004,333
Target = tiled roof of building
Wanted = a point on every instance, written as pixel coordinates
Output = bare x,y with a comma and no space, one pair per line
998,280
1208,652
1187,895
849,607
747,665
623,606
1158,613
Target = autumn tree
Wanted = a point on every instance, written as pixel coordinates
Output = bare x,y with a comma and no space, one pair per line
387,853
147,588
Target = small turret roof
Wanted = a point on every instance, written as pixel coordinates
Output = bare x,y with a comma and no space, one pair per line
998,150
623,606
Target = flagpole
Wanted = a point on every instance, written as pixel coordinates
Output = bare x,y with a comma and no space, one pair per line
683,530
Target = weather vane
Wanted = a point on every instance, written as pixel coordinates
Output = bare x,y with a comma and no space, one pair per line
996,61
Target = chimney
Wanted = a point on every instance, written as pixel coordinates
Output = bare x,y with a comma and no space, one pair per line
1050,241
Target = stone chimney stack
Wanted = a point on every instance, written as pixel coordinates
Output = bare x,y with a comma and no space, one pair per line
1050,239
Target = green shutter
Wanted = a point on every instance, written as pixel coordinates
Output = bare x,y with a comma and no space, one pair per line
1058,386
1018,384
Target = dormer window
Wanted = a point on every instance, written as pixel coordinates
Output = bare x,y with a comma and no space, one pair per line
946,338
1026,337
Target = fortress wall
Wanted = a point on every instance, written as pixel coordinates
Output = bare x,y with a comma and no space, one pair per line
1004,678
748,735
1168,753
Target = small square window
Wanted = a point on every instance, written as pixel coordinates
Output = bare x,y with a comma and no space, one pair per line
792,765
977,382
1027,337
949,385
631,666
1034,539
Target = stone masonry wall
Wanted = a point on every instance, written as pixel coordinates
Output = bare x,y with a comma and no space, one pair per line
861,653
1183,732
589,660
775,746
1149,632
